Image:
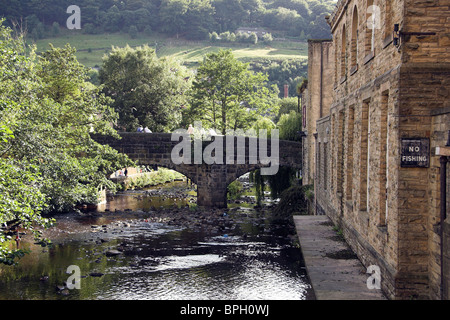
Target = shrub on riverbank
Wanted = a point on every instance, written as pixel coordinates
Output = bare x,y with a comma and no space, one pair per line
235,190
293,201
151,179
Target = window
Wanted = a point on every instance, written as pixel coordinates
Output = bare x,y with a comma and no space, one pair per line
304,109
318,166
336,62
350,133
388,26
344,53
383,159
355,37
371,17
364,156
325,165
340,153
333,139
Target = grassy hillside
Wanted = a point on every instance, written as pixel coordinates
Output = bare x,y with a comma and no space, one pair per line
91,48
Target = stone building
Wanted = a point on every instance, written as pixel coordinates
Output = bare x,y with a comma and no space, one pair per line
377,123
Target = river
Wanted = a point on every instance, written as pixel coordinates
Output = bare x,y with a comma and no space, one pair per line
151,245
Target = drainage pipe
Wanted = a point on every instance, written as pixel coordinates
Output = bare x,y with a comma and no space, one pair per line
443,214
443,210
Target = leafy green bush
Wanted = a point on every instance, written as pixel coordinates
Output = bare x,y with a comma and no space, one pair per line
161,176
292,201
289,126
235,190
281,71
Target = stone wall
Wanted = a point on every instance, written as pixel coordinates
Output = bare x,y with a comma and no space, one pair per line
382,93
363,138
211,179
318,100
424,112
427,16
446,260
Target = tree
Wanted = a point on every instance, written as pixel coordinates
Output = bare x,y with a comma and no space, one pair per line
21,201
48,160
55,29
142,17
214,37
289,125
263,123
286,105
228,14
146,90
267,38
20,204
319,28
172,15
226,95
112,20
282,71
300,6
253,9
133,32
199,19
253,38
139,18
288,20
58,129
303,36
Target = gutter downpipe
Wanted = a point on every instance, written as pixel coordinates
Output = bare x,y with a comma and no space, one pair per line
321,80
315,173
443,210
443,214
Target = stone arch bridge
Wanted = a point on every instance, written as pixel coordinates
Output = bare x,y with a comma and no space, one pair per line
211,179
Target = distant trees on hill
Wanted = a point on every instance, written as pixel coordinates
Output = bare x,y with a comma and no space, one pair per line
146,90
190,19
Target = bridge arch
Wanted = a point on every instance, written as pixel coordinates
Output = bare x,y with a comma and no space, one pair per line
212,180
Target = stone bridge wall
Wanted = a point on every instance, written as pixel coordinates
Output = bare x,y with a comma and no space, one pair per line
211,179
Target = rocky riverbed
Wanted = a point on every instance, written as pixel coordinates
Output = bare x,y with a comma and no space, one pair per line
98,226
157,244
175,206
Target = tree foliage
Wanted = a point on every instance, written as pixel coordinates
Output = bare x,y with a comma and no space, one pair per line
147,90
192,19
48,160
289,125
227,95
282,72
286,105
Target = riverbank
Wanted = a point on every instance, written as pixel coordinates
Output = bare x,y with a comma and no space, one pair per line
164,253
136,179
188,215
111,237
334,270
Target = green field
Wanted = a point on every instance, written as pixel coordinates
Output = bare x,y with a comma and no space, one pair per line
92,48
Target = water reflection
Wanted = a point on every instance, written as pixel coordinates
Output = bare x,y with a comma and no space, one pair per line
152,198
125,257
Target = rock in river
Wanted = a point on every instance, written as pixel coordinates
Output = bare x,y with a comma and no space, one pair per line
112,253
96,274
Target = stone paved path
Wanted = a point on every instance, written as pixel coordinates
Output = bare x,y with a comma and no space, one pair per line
331,278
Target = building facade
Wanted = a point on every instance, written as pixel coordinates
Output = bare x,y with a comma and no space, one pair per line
371,146
315,92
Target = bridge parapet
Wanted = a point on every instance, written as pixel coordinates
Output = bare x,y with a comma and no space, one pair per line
233,156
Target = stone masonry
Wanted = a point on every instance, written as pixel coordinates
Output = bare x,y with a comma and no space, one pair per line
212,180
386,88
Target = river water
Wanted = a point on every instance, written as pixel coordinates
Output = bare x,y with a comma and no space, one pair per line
129,250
